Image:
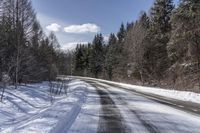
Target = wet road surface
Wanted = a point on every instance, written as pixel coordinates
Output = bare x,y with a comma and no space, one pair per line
119,115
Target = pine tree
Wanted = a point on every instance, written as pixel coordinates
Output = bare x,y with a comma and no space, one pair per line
120,65
184,45
97,57
79,60
121,34
161,15
158,38
185,22
110,61
87,54
26,54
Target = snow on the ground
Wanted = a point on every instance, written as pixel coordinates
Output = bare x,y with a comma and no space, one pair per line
29,110
175,94
88,119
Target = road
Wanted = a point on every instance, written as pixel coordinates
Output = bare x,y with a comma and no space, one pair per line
124,110
95,106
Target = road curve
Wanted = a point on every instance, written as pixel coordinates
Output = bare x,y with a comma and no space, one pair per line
124,110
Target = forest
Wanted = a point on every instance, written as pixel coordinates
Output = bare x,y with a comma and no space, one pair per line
27,55
161,48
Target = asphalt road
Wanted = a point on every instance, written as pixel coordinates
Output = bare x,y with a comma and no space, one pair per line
126,110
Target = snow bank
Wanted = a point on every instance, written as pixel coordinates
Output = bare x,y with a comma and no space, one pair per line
179,95
28,108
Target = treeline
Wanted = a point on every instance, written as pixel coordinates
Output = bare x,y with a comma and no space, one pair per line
161,48
26,53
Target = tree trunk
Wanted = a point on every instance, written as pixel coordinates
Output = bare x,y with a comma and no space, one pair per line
17,38
2,94
141,77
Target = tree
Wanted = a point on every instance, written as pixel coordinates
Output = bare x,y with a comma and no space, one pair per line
121,34
136,45
79,59
86,57
97,57
19,17
6,39
26,54
184,45
5,81
37,36
63,62
110,61
158,37
120,53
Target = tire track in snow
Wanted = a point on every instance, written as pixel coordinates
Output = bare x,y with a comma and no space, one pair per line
21,99
188,107
111,120
150,127
65,124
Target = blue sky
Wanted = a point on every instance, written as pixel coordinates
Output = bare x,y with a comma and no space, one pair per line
79,20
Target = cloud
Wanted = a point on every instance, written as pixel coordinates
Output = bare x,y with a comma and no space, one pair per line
84,28
53,27
72,45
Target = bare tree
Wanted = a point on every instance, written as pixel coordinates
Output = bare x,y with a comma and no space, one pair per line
20,18
5,82
135,45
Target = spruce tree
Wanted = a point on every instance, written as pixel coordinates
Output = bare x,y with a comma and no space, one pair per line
158,37
87,53
79,60
185,34
26,54
184,45
121,34
120,65
111,54
97,57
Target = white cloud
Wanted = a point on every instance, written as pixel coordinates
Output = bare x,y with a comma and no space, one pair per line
72,45
84,28
53,27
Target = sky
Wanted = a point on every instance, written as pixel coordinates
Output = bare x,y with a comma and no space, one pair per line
77,21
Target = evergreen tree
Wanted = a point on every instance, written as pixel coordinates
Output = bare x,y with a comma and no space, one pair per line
97,57
121,34
25,53
79,60
185,34
110,61
161,15
87,54
120,53
184,45
158,37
